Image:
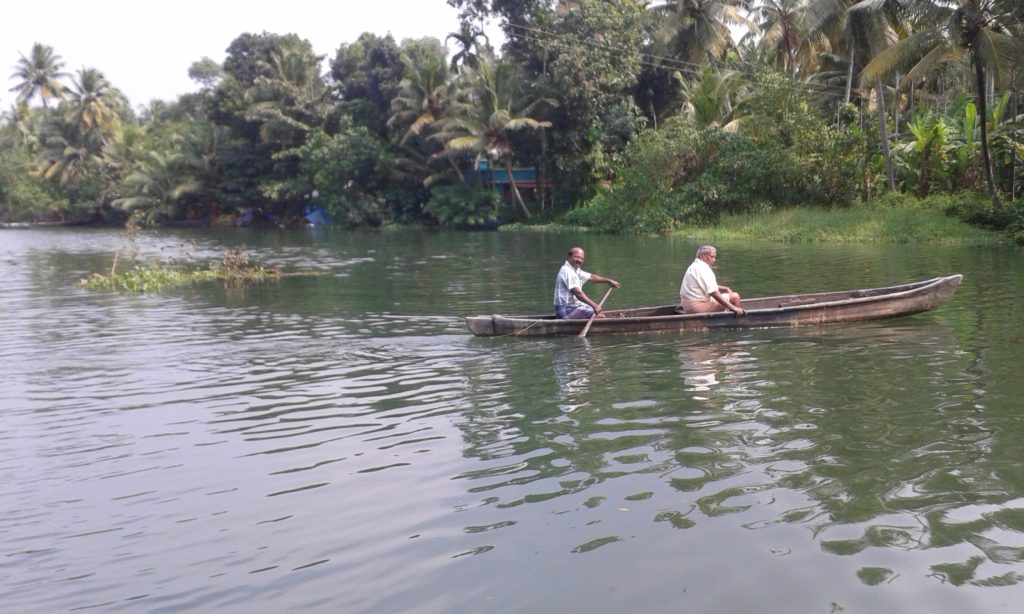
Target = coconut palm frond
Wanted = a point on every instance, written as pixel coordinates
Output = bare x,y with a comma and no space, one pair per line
902,57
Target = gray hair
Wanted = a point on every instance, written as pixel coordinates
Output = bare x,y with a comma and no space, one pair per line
704,250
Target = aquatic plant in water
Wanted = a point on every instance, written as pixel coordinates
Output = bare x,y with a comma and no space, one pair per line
234,268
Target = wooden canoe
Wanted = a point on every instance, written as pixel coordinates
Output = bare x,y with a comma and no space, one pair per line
773,311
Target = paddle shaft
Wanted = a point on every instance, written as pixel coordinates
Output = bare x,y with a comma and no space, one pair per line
583,333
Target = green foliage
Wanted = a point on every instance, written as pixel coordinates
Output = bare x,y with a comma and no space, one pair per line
266,128
783,155
464,205
24,197
368,72
233,268
250,55
154,191
351,172
923,161
1016,225
977,210
590,65
492,109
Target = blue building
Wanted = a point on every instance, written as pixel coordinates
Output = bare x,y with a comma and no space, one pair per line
497,178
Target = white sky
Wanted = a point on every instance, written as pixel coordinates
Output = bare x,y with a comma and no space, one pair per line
145,48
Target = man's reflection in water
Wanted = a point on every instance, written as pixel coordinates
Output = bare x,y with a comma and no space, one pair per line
700,365
574,366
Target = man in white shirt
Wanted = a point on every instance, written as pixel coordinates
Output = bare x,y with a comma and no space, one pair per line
700,292
570,300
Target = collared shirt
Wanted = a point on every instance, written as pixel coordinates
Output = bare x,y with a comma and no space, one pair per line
569,278
698,282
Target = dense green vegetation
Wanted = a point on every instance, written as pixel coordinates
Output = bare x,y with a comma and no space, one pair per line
637,117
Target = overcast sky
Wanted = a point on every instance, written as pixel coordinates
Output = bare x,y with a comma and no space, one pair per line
145,48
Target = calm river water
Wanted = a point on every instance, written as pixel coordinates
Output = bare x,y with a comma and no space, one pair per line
340,443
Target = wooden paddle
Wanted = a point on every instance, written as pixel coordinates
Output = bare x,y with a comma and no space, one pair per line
583,333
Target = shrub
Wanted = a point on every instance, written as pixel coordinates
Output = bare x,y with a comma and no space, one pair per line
681,175
979,210
464,205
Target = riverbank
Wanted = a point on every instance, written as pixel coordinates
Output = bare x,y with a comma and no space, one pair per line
851,225
859,224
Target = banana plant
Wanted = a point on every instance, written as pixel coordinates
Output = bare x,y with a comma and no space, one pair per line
924,158
967,143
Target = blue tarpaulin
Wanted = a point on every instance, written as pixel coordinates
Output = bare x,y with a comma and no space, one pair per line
316,215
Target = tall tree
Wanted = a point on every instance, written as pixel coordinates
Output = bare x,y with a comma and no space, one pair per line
367,73
780,33
285,99
588,57
696,31
472,41
94,104
827,27
876,25
425,95
206,73
492,110
425,92
40,74
246,154
69,155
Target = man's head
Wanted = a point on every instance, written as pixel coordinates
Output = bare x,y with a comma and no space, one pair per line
576,257
707,253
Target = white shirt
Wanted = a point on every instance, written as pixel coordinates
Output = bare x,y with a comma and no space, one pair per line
698,282
569,278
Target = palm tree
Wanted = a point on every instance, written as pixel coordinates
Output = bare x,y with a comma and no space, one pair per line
484,120
287,98
709,97
424,92
67,152
425,95
40,75
698,30
21,128
975,29
468,38
875,26
157,186
827,25
780,32
94,104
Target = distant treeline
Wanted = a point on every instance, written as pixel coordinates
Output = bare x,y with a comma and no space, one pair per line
631,116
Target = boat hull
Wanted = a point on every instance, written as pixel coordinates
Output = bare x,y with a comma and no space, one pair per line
775,311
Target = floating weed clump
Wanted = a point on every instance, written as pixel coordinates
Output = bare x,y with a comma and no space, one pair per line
233,268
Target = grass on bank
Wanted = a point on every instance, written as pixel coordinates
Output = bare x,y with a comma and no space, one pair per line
852,225
862,223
